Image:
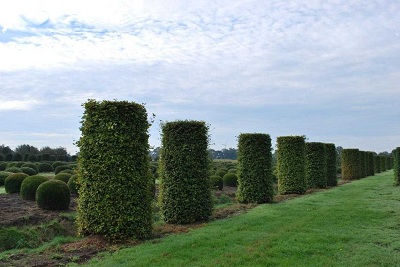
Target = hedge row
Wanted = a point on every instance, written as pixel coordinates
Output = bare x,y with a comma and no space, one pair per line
115,198
315,165
185,195
331,155
255,180
396,166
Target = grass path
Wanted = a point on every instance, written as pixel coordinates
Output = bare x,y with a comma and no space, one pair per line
2,190
356,224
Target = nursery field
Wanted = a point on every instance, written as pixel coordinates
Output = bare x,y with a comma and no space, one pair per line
355,224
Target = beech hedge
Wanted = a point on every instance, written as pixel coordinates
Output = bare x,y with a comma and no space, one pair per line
291,165
331,177
351,167
315,165
255,180
396,166
114,194
185,194
377,164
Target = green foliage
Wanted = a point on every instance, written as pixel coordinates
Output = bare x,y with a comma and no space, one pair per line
72,185
70,171
396,166
291,165
55,164
185,194
19,164
377,164
13,170
255,180
29,186
230,179
363,164
3,166
18,157
315,165
61,168
114,198
216,182
331,178
388,163
12,183
45,167
221,172
371,164
63,177
351,166
31,165
53,195
9,157
383,163
28,171
3,176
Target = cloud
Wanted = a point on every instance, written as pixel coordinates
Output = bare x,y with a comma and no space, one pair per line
7,105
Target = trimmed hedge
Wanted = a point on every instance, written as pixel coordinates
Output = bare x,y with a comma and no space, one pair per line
315,165
114,194
383,163
3,176
363,164
28,171
53,195
230,179
351,166
291,165
30,185
377,164
388,163
31,165
331,155
45,167
216,182
12,183
3,166
55,164
13,170
63,177
396,166
185,194
255,181
72,185
61,168
371,164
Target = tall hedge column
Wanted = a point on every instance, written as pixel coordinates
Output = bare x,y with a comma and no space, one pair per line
114,196
185,194
371,164
315,165
291,165
396,166
383,163
377,164
351,167
255,168
331,178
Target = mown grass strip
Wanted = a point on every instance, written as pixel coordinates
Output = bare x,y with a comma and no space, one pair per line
356,224
2,190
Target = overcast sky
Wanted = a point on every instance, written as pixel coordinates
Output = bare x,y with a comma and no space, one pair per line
329,70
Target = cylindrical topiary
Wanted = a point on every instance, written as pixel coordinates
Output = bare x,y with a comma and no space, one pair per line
388,163
255,180
396,166
28,171
53,195
45,167
63,177
216,182
363,164
3,176
73,186
185,194
61,168
383,163
230,179
377,163
29,186
331,177
351,166
114,196
31,165
12,183
371,164
291,165
315,165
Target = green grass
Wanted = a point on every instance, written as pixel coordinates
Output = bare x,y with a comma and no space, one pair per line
2,190
356,224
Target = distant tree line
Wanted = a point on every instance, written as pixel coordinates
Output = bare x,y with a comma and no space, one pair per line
27,152
226,153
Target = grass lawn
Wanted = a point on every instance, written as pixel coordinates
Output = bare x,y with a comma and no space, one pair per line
356,224
2,190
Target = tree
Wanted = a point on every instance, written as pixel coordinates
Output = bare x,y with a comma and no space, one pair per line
26,149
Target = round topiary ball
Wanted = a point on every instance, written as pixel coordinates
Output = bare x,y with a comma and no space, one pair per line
61,168
31,165
230,179
72,185
30,185
13,182
216,182
63,177
57,163
3,166
45,167
70,171
28,171
14,170
53,195
3,176
221,172
19,164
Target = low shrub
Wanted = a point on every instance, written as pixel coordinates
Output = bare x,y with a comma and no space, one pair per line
233,170
72,185
12,183
31,165
3,166
3,176
13,170
230,179
53,195
61,168
19,164
69,171
45,167
28,171
216,182
63,177
57,163
30,185
221,172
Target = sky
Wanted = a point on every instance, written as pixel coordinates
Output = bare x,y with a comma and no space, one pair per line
329,70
